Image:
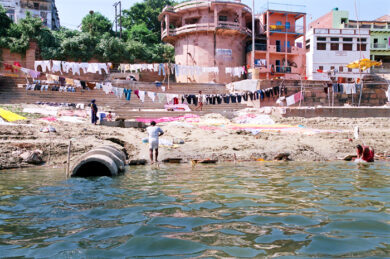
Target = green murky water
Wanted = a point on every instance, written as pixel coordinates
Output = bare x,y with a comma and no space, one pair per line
288,210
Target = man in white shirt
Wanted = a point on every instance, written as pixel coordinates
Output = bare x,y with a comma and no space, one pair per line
154,133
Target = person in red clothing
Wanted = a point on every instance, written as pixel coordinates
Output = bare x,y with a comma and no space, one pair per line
365,153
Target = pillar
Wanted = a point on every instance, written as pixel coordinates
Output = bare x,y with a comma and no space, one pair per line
268,45
167,24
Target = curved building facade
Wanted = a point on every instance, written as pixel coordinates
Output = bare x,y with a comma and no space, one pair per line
207,34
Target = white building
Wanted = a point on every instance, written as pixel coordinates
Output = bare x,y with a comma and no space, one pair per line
333,49
44,9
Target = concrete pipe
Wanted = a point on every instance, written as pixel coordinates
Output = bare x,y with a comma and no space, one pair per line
95,165
119,153
98,162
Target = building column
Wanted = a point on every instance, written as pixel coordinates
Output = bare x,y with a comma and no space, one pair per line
216,16
268,45
240,18
167,23
304,46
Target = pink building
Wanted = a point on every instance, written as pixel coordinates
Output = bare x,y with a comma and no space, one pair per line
279,45
207,34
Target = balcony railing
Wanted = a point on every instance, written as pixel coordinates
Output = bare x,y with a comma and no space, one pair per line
283,69
258,47
284,29
380,46
202,3
367,26
204,27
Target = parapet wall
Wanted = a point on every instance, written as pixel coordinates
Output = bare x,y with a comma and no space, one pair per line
374,94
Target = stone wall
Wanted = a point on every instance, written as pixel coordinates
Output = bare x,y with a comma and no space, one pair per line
374,94
26,60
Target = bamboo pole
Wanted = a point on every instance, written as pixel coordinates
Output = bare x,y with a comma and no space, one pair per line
68,160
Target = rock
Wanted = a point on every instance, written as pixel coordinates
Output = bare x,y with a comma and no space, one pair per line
178,141
138,162
282,156
32,157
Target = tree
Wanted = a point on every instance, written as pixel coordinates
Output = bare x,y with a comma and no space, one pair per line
96,24
5,22
80,47
111,49
141,33
146,12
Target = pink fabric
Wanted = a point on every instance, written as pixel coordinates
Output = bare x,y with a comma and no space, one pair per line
298,97
167,119
50,119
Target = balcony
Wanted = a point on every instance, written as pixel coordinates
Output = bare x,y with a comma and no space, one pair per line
373,27
204,27
289,50
258,47
277,28
201,3
377,46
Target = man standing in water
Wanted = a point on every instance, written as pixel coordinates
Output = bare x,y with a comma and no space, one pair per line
154,133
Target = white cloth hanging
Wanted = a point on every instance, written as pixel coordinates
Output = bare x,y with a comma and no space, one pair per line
152,96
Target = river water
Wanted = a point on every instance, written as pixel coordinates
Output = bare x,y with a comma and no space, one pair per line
286,210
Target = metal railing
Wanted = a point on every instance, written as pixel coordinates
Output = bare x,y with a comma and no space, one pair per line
203,27
282,69
380,46
258,46
284,29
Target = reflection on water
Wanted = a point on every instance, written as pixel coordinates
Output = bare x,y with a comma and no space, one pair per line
289,210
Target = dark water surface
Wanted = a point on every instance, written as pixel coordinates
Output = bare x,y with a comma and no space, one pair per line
287,210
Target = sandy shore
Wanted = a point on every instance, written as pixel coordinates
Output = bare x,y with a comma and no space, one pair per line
199,143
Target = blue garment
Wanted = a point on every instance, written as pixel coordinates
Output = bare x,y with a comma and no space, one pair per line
335,88
341,88
161,68
261,94
127,93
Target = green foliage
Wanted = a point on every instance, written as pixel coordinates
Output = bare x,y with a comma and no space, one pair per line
141,33
80,47
141,42
145,12
111,49
5,22
96,24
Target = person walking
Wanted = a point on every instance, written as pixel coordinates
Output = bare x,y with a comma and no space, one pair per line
94,111
154,133
200,102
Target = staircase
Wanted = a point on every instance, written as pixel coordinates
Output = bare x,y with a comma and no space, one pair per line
11,94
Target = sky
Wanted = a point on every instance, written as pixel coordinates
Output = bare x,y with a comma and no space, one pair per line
72,11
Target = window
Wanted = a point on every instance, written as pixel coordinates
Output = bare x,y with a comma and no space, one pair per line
36,6
332,68
321,39
348,39
344,20
308,46
341,69
334,39
321,46
334,46
288,25
223,18
362,47
362,39
349,69
347,47
321,68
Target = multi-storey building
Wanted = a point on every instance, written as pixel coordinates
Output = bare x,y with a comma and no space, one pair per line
379,31
207,34
279,50
331,50
44,9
